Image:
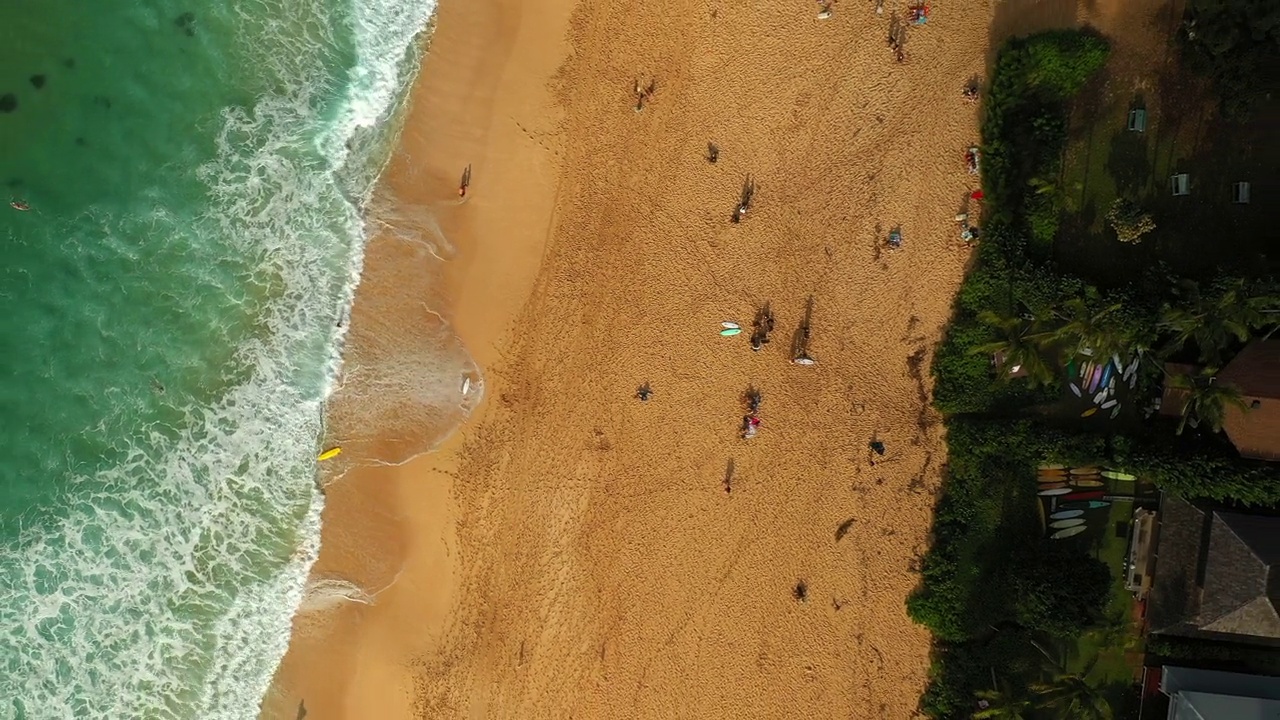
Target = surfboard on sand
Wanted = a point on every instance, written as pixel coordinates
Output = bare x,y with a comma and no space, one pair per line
1051,473
730,331
1052,486
1089,412
728,325
1075,389
1089,470
1086,483
1069,532
1054,491
330,453
1117,475
1060,524
1084,504
1066,514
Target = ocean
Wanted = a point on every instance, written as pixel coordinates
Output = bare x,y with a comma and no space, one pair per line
173,304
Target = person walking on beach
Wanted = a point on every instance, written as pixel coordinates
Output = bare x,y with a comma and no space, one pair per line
763,326
643,92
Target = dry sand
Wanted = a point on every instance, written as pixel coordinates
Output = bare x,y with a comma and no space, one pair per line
574,552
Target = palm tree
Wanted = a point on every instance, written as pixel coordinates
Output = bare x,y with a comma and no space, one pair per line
1071,696
1084,328
1020,346
1230,312
1002,702
1268,307
1206,400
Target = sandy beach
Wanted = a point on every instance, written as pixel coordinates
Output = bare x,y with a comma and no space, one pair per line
574,552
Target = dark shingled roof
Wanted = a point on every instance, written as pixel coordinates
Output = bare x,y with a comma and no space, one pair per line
1256,371
1238,582
1175,592
1217,574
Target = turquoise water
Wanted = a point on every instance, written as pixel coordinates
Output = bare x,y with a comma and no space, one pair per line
170,305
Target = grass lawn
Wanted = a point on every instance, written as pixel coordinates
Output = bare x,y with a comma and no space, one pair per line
1104,160
1115,652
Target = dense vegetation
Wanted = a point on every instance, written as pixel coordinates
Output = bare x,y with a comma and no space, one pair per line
997,596
1237,43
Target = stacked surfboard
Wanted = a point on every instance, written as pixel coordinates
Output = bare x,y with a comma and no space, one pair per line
1097,381
1071,492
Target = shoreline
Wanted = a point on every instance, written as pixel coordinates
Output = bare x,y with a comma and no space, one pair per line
403,513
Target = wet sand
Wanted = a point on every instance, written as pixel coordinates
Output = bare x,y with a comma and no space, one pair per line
573,552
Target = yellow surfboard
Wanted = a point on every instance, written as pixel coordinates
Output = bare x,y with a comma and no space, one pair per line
330,453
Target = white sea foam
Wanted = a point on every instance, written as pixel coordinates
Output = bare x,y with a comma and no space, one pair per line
166,591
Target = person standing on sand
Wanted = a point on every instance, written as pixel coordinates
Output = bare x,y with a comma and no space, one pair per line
465,182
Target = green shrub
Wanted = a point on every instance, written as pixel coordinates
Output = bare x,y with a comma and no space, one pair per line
1198,466
1043,216
1061,591
1237,658
1129,221
1024,125
1062,61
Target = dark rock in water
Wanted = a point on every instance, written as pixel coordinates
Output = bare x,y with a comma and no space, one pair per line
69,63
8,103
187,23
37,81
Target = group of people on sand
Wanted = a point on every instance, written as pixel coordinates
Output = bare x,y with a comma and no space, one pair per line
762,326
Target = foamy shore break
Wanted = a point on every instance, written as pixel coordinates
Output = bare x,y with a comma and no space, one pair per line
574,551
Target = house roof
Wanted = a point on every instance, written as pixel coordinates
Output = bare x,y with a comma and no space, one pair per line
1216,573
1256,371
1216,706
1175,589
1214,695
1238,584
